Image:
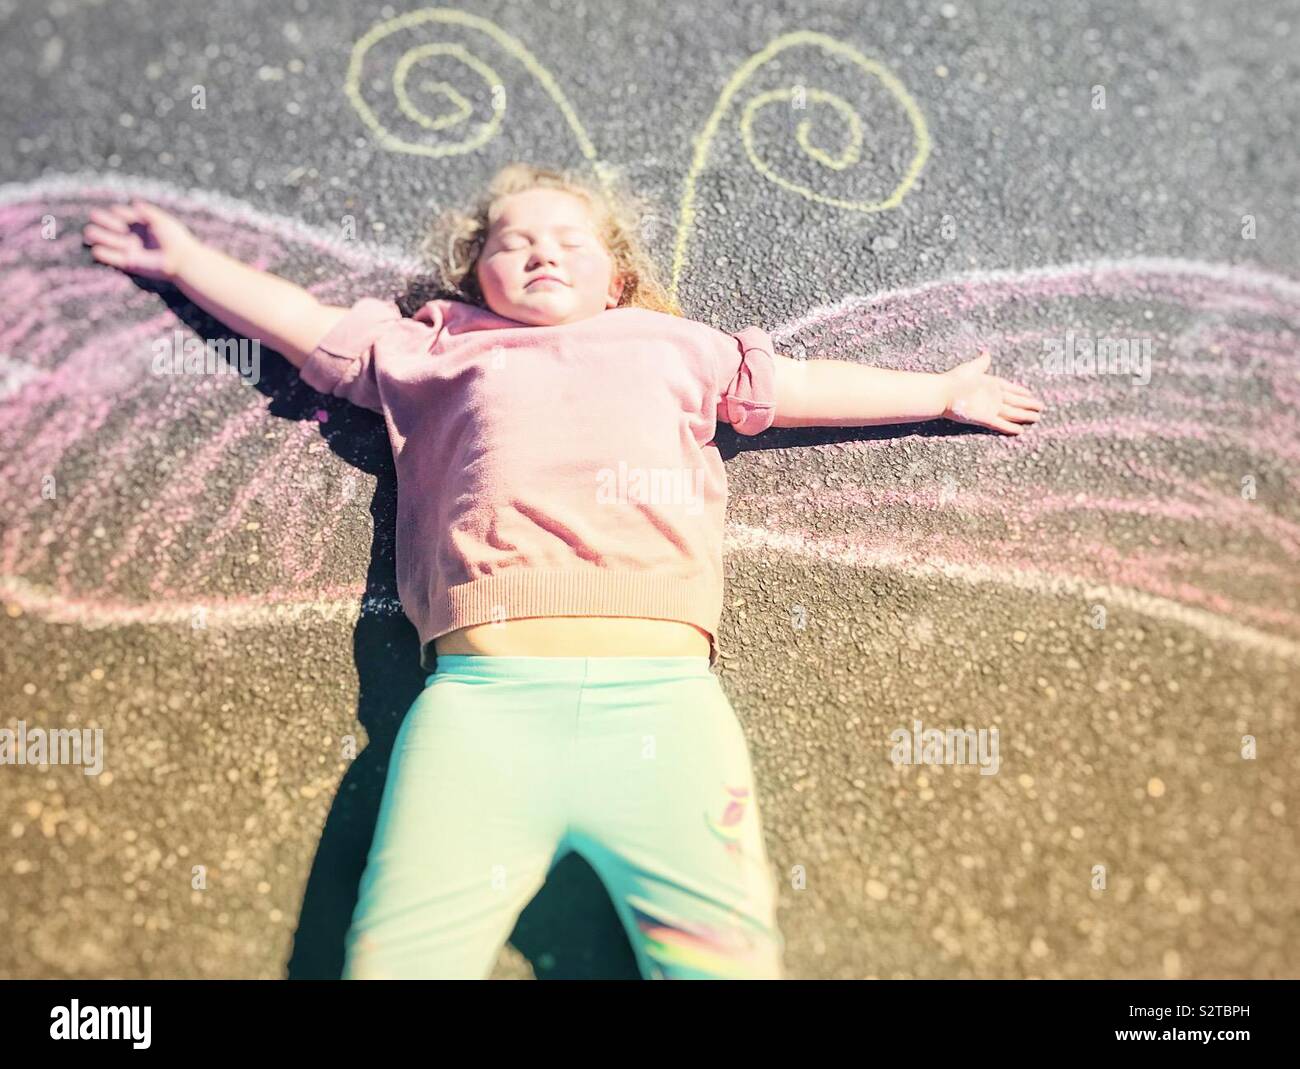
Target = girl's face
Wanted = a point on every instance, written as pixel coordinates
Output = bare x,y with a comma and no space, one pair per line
539,234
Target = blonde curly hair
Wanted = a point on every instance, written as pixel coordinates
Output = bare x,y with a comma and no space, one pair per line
456,238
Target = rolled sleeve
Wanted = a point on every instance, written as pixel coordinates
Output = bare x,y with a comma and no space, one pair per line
343,362
747,380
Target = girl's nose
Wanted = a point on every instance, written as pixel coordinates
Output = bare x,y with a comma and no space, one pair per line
543,254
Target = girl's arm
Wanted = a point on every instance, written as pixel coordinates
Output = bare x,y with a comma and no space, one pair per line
256,304
145,240
838,393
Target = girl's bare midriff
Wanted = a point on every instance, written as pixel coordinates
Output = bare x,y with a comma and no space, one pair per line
577,636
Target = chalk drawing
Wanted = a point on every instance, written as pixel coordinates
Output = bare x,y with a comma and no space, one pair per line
794,98
1136,497
226,491
178,493
703,143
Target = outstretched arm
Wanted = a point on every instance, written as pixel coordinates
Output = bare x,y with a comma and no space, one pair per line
142,239
839,393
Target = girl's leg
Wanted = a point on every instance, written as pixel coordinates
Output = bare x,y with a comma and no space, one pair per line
670,820
468,824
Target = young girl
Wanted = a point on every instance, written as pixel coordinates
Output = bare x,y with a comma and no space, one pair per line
559,550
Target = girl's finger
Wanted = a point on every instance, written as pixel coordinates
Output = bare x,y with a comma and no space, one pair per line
108,220
112,238
1004,425
1020,415
1023,401
149,213
126,213
110,256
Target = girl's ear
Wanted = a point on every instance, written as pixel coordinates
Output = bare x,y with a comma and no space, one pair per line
615,292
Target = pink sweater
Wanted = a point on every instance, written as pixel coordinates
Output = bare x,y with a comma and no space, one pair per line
562,470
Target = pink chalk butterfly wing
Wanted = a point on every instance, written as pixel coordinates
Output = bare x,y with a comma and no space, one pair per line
134,496
1174,497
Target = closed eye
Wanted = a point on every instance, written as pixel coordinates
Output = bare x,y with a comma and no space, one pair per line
519,247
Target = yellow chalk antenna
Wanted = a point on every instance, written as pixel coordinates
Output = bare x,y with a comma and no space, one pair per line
406,63
795,97
851,153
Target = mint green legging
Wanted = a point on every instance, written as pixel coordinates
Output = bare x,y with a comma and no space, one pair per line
505,764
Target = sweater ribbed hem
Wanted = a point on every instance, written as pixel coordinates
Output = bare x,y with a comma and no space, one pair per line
591,592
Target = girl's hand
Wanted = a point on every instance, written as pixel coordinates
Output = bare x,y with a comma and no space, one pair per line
986,400
140,238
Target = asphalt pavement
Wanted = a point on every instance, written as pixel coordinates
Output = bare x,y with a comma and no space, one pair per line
203,567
